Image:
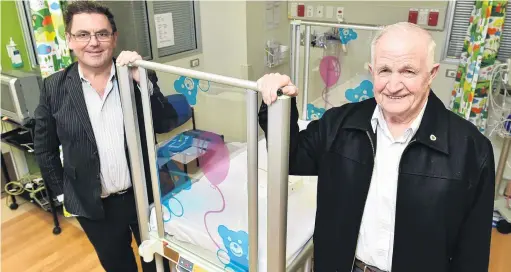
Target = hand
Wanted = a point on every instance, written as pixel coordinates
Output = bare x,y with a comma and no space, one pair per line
269,84
128,57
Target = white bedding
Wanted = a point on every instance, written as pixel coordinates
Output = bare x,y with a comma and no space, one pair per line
223,232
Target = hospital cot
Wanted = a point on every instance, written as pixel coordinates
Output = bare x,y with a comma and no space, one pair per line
296,40
265,186
268,228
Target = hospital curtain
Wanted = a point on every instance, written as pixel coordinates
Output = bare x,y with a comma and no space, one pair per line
49,32
469,96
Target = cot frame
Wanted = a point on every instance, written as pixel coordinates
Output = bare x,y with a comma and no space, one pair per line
295,52
155,245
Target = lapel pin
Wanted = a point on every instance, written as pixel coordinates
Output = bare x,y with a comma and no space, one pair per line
432,137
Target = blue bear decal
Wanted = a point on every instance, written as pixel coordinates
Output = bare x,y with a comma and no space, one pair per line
188,87
314,113
346,35
236,245
362,92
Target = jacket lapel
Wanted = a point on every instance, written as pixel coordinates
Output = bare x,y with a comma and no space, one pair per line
74,88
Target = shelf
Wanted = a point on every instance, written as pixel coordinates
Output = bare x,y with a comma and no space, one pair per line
19,138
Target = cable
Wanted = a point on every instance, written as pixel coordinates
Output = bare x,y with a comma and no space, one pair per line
499,112
16,188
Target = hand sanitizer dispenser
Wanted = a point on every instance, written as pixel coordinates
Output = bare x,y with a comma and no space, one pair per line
14,54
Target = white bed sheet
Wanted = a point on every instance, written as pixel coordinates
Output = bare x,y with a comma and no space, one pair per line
204,223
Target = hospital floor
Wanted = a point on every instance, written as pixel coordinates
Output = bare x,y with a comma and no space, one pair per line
28,244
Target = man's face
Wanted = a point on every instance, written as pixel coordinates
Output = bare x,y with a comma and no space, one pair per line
401,74
98,51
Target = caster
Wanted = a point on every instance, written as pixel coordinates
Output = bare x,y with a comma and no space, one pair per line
57,230
13,206
504,227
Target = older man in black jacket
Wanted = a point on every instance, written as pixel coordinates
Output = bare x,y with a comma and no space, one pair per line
403,183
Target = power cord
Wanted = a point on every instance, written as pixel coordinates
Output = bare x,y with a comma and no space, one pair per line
32,184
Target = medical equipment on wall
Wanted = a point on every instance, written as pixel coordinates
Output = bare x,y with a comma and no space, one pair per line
275,53
427,14
499,100
319,39
499,122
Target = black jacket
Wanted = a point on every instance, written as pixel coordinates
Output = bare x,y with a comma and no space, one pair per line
445,191
61,118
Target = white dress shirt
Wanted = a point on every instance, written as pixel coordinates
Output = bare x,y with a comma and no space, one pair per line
107,121
376,234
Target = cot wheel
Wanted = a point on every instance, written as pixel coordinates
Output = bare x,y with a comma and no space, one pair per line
57,230
504,227
13,206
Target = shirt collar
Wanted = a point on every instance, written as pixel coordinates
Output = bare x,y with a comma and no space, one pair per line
378,119
112,73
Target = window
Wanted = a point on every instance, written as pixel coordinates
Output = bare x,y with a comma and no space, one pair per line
184,24
457,31
137,32
133,26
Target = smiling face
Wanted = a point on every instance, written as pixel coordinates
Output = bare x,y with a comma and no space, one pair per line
402,73
93,53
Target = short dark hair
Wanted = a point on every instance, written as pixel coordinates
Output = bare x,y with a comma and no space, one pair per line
77,7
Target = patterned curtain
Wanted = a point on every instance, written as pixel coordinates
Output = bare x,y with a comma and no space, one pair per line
469,96
49,32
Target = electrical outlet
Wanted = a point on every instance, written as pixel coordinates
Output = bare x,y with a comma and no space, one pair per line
340,14
319,11
194,63
450,73
310,11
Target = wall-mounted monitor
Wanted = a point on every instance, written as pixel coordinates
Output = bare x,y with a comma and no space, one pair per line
20,95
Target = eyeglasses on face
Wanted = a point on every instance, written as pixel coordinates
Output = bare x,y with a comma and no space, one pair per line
86,36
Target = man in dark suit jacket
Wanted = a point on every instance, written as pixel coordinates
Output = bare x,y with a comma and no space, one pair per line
80,110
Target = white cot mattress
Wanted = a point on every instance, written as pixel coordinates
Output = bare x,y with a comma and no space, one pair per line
216,218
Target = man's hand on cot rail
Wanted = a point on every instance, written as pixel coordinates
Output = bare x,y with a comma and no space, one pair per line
272,86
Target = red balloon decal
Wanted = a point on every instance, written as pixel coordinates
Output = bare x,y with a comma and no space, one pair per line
214,163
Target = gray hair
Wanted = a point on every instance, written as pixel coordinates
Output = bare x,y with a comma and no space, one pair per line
406,26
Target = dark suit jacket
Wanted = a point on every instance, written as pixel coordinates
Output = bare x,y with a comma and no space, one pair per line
62,119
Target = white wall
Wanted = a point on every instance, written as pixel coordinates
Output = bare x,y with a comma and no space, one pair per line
224,41
258,34
233,38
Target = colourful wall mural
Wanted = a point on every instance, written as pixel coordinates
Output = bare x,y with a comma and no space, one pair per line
470,93
49,31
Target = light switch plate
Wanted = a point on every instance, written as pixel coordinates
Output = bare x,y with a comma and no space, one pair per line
450,73
194,63
329,12
423,17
